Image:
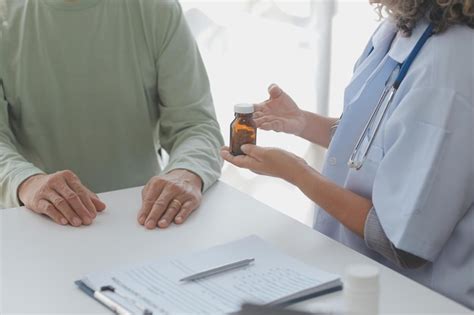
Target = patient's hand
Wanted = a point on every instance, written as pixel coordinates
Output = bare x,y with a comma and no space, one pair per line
62,197
279,113
170,197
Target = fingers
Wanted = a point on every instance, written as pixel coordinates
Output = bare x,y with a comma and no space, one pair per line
82,192
269,123
166,195
149,195
63,206
74,202
253,151
46,208
274,91
63,198
226,155
186,210
159,207
258,115
99,205
260,109
264,108
178,212
273,125
242,161
173,209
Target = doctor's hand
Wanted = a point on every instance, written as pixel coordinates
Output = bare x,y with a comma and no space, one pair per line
268,161
62,197
279,113
168,198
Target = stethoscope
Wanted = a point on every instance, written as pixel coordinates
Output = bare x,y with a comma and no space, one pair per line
362,148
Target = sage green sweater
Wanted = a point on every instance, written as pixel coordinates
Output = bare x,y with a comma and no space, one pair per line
98,87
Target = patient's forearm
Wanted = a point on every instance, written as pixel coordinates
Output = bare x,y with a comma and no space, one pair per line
318,129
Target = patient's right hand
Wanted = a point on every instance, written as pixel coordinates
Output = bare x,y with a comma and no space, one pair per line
62,197
279,113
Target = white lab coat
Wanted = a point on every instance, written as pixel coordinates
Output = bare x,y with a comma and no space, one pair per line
420,169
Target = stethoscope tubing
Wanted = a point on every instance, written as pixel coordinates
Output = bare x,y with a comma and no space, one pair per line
354,161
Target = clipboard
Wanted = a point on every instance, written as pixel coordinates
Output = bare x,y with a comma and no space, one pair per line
246,308
274,279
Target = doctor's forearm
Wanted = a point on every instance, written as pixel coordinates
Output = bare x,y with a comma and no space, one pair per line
347,207
318,129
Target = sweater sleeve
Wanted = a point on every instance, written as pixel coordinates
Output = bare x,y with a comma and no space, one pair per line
14,169
188,128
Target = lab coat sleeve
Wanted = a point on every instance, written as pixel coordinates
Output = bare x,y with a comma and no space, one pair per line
424,184
188,128
14,169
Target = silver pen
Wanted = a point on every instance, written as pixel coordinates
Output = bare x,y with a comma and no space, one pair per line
216,270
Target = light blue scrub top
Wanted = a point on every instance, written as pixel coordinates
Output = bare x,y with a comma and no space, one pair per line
420,169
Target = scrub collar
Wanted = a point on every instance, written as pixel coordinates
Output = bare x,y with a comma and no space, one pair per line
71,4
402,46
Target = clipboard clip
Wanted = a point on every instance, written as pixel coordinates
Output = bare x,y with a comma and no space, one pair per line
117,308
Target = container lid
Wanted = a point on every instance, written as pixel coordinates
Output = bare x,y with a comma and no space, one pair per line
243,108
364,277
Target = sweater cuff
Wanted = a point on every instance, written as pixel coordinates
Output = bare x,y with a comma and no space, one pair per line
208,177
17,179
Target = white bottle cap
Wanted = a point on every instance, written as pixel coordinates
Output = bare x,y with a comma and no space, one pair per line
243,108
362,277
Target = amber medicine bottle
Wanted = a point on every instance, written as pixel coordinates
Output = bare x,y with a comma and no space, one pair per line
243,129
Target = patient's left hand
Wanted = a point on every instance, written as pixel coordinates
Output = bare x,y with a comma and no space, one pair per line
170,197
267,161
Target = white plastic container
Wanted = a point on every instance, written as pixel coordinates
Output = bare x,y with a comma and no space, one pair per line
361,290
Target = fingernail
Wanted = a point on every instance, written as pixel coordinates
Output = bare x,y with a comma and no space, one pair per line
179,219
76,221
163,223
63,221
150,225
141,220
87,221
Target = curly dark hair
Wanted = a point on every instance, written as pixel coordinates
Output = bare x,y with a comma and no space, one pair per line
442,13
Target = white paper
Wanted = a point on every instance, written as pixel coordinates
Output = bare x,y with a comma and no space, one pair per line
273,276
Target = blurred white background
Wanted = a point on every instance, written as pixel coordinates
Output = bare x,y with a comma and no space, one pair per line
307,47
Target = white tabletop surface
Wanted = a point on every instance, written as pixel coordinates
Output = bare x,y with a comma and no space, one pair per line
41,260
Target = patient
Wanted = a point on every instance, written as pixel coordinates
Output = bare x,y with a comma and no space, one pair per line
91,92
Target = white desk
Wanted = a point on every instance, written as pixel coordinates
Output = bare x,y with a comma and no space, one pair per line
41,260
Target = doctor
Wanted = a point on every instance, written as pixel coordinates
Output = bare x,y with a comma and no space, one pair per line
398,181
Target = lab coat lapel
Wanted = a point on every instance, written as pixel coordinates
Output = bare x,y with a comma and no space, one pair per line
379,45
354,120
